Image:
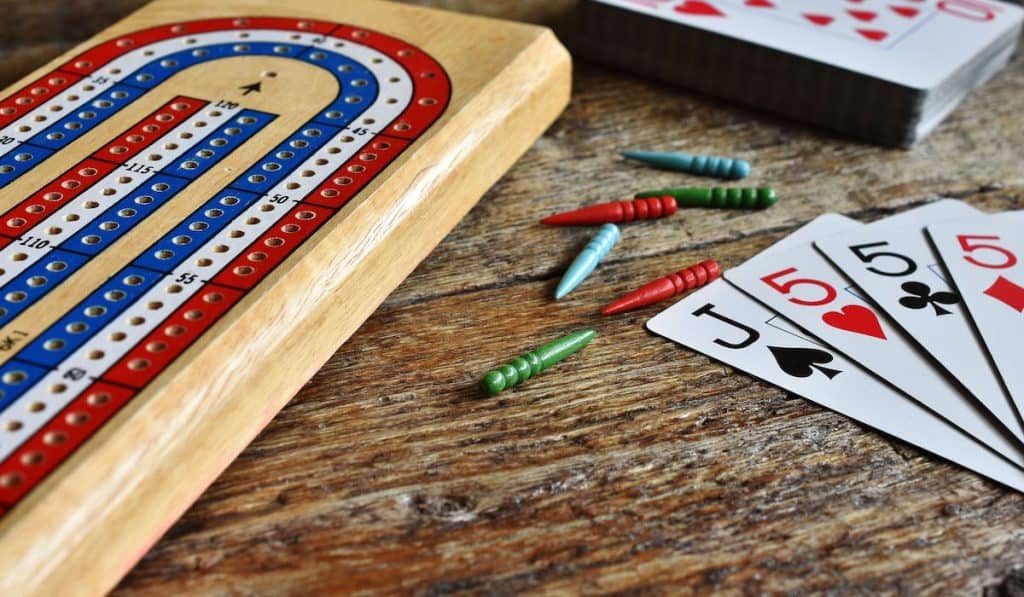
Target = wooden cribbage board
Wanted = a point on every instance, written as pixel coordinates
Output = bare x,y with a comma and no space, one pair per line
199,205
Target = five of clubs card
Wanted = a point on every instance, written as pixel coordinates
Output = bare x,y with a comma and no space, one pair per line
908,325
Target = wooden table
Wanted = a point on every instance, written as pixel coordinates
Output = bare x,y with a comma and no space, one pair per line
636,465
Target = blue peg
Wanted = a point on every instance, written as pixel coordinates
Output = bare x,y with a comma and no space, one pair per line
704,165
587,260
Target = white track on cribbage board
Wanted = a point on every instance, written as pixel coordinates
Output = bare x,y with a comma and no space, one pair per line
166,225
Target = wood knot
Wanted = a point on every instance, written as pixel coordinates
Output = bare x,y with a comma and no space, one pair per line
447,508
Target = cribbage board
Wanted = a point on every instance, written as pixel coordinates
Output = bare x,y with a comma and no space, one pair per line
198,206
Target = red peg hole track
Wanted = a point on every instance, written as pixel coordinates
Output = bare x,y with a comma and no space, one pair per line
357,173
262,256
23,216
95,58
24,100
154,126
31,462
158,349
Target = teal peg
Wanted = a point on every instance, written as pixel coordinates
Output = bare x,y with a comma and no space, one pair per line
533,362
587,260
703,165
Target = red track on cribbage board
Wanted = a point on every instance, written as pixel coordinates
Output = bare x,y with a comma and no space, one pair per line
61,386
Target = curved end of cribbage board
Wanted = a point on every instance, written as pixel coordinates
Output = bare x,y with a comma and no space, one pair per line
198,206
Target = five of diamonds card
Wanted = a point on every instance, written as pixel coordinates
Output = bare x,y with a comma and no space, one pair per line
908,325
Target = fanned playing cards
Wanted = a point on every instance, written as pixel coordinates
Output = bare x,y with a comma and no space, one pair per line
886,71
908,325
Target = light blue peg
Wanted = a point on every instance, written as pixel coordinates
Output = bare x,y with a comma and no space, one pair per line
587,260
704,165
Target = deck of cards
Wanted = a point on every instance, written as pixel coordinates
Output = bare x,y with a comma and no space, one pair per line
909,325
886,71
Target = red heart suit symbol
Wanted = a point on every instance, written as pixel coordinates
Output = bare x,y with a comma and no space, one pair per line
905,11
873,34
699,8
760,3
863,15
819,19
854,318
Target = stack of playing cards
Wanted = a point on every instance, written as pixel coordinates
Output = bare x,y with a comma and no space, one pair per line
909,325
887,71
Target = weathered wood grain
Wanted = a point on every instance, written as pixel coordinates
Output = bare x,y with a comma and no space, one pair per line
635,465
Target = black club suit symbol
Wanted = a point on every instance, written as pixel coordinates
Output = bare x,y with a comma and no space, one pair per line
920,296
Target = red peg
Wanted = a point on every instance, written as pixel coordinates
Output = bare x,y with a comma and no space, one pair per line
647,208
692,277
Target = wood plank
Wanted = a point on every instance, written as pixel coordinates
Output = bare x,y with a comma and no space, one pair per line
635,465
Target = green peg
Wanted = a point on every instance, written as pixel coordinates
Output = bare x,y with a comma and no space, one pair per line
719,197
532,363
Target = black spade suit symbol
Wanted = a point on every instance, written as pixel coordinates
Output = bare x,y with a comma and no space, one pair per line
803,362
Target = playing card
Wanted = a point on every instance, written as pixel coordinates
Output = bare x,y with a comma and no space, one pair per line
902,41
726,325
801,285
893,263
984,255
